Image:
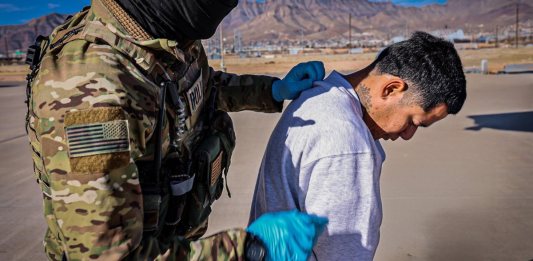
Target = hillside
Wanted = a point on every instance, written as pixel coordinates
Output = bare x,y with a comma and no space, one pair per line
19,37
325,19
321,19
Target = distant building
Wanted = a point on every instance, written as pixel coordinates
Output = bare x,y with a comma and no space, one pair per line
450,35
295,50
397,39
356,50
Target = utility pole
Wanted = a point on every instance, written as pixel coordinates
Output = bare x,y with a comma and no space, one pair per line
350,31
516,32
7,47
497,39
302,39
237,41
222,66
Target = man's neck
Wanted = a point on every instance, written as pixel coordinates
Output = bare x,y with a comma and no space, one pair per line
359,81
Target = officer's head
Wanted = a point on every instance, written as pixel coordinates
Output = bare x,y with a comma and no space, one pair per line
412,84
179,20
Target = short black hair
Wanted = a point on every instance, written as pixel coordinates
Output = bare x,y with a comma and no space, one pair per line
432,65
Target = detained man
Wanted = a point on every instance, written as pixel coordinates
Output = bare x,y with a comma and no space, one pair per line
324,156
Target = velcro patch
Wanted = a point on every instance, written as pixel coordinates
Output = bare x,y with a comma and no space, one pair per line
195,95
216,169
98,138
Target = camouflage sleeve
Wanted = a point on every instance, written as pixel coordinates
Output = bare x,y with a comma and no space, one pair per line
91,115
244,92
226,245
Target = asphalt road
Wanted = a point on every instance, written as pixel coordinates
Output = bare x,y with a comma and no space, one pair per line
460,190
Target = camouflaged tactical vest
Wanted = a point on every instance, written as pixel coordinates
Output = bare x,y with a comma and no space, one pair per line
177,201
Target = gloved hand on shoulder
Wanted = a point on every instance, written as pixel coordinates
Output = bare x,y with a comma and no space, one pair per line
299,78
288,235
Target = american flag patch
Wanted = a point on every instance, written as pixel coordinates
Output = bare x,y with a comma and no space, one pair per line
216,169
98,138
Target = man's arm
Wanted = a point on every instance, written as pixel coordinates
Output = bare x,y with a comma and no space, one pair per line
263,93
225,245
244,92
286,235
345,189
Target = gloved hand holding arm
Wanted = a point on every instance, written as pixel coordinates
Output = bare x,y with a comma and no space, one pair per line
299,78
288,235
263,93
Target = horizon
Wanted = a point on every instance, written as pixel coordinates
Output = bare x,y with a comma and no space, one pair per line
22,11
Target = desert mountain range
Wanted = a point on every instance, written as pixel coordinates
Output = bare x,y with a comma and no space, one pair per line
323,19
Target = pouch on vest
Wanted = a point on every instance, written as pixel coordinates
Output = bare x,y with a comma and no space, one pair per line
152,199
180,181
213,159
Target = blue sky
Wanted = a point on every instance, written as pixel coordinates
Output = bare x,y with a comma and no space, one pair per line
21,11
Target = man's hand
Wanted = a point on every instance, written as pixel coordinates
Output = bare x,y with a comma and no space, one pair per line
299,78
288,235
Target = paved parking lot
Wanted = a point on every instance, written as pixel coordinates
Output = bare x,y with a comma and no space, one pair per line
461,190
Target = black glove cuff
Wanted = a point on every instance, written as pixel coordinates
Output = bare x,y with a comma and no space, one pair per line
254,249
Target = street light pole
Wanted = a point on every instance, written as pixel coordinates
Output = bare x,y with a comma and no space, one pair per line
7,47
350,31
222,66
516,31
497,38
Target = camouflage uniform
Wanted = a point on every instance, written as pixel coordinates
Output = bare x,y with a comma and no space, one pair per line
101,73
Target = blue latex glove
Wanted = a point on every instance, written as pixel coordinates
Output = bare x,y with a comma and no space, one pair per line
288,235
299,78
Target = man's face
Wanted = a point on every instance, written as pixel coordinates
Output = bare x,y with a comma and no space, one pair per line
394,119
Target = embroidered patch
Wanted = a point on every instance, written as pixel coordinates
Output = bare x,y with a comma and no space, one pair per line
216,169
195,95
98,138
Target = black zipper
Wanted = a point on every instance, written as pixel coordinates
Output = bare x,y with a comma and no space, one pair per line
65,37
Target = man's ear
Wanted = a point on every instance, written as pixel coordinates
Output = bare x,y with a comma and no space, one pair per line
394,86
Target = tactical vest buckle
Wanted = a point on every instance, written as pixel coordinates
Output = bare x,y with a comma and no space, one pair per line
33,57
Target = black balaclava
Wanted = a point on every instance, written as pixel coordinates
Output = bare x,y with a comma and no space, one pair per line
179,20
